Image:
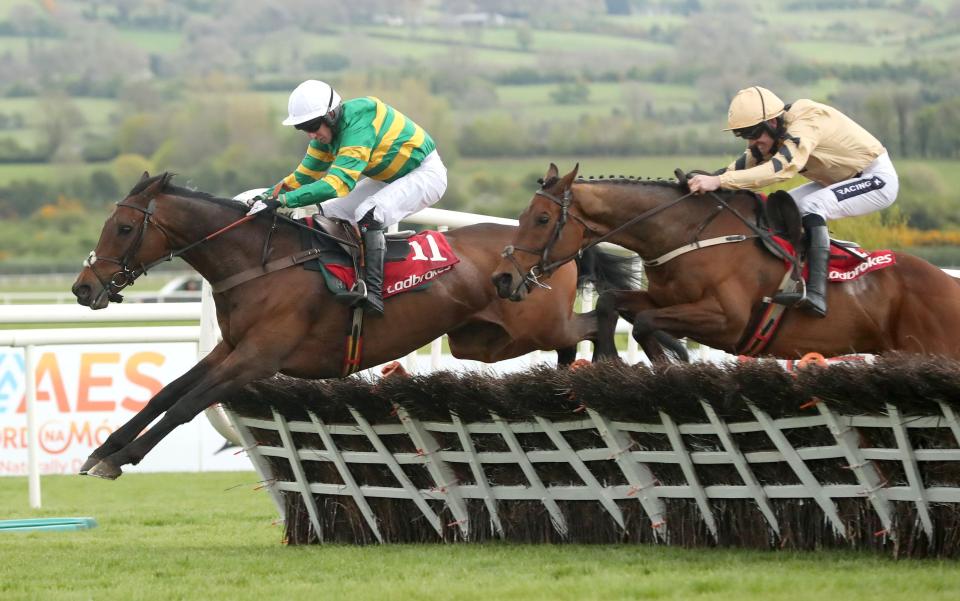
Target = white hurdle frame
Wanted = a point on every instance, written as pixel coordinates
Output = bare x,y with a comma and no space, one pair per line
639,466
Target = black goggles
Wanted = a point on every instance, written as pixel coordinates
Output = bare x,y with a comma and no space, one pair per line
750,133
312,125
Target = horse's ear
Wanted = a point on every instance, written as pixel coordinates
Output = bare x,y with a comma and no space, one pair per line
157,186
145,175
568,178
552,172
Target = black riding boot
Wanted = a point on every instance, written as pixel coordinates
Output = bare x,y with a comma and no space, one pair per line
818,254
374,248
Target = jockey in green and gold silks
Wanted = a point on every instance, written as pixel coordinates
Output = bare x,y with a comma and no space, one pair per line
366,163
374,140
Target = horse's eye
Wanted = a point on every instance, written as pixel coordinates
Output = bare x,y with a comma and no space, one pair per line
126,229
543,219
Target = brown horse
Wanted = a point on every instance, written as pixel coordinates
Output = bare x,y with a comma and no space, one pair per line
711,294
287,321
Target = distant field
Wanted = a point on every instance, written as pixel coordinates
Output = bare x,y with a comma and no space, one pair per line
96,111
47,171
540,40
826,52
877,22
154,42
603,93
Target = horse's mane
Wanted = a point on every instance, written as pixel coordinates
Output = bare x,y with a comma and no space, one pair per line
628,180
612,179
167,187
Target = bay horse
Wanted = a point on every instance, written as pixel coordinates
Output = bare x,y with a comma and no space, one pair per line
287,321
711,294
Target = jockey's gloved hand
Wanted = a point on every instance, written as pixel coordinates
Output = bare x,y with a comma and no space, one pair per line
259,198
265,204
272,204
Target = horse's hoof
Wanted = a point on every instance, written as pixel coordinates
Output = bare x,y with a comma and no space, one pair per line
105,470
88,465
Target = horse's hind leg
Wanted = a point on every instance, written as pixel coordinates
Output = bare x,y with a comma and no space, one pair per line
160,402
237,370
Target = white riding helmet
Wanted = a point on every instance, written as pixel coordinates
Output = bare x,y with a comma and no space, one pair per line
752,106
310,100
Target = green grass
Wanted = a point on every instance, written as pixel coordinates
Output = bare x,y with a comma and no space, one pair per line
209,536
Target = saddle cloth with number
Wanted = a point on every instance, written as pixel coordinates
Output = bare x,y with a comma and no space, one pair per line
430,256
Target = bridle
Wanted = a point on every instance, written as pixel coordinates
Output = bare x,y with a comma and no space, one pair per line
127,274
543,268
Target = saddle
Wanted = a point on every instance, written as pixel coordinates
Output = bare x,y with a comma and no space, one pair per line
780,216
338,242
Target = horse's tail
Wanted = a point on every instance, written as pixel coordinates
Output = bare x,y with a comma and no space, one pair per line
607,271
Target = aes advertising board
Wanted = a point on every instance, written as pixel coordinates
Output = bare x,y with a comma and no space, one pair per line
85,392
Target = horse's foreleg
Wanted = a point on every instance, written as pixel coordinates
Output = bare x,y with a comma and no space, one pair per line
651,321
604,346
160,402
231,374
614,304
704,319
566,356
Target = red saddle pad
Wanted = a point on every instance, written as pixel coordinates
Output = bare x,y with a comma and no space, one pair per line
430,256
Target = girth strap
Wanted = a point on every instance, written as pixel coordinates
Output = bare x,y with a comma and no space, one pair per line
673,254
261,270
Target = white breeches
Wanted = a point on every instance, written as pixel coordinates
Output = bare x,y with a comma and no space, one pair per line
391,202
875,189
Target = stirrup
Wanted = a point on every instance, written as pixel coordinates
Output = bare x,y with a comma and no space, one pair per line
792,298
356,295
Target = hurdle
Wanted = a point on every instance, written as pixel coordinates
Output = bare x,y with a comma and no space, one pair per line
862,456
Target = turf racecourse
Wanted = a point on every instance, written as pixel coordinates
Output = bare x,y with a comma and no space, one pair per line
210,537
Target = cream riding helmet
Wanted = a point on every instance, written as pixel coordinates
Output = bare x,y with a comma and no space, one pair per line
750,110
311,104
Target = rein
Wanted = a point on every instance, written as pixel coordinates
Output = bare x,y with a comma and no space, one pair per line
127,275
544,269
